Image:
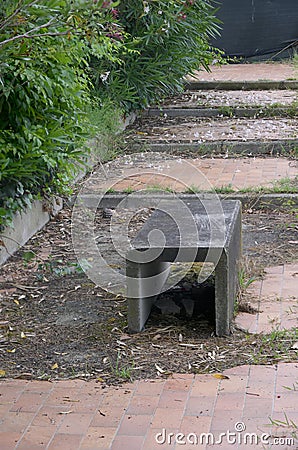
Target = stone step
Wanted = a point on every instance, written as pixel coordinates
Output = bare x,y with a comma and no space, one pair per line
242,85
200,103
219,135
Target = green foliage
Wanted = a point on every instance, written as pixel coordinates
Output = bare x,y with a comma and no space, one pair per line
164,41
44,94
59,60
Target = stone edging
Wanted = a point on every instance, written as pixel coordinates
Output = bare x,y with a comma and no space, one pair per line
25,224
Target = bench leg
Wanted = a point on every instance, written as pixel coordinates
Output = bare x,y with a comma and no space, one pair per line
144,283
224,296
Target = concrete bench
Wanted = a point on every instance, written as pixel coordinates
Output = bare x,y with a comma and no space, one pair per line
200,231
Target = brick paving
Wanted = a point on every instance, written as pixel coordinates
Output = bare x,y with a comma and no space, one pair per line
82,415
275,299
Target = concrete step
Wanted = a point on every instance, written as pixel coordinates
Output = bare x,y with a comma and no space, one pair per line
260,76
200,103
219,135
245,85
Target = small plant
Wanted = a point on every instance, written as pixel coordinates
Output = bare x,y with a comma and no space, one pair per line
192,189
275,346
158,188
245,278
121,372
163,42
128,190
224,189
227,111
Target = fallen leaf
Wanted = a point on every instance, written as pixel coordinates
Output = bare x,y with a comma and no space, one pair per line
295,346
17,302
189,345
220,376
65,412
2,373
23,336
159,369
54,366
11,351
100,380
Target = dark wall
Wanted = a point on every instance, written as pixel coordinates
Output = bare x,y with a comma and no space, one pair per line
259,28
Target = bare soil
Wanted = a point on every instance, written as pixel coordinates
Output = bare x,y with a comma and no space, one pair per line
55,323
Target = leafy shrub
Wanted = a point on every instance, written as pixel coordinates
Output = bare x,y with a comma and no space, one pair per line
53,53
44,93
164,41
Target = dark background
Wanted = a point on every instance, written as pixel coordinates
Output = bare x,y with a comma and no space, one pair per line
258,29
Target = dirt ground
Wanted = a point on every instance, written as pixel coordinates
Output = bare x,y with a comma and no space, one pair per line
56,323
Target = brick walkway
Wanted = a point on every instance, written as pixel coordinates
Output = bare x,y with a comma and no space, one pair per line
204,174
249,72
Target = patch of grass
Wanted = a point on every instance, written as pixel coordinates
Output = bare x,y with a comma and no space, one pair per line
192,189
158,188
128,190
282,186
124,372
275,346
247,274
57,267
108,120
287,425
227,111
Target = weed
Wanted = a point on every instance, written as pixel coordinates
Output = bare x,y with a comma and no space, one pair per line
192,189
224,189
282,186
275,346
158,188
288,424
122,372
293,388
128,190
248,273
226,111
